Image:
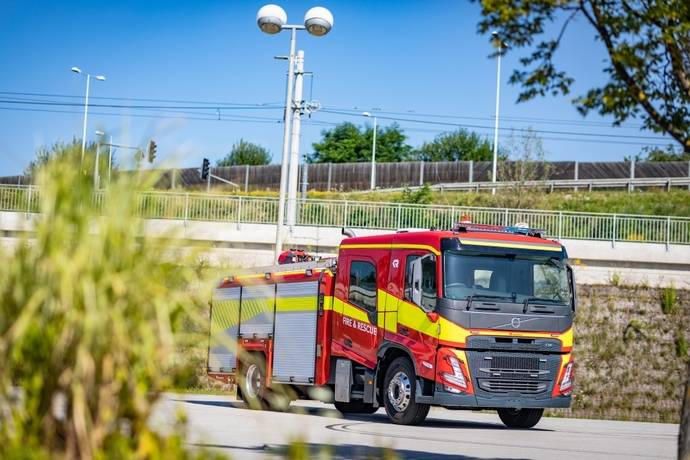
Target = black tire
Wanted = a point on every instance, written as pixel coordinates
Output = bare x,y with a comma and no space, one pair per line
520,418
398,394
252,383
355,407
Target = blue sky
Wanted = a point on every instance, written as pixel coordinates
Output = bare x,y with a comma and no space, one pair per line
410,57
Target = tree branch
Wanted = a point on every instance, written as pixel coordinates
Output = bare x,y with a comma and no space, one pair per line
595,18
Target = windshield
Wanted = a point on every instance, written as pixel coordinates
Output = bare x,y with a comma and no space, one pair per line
515,278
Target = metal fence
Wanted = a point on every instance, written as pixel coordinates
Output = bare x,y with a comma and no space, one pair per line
375,215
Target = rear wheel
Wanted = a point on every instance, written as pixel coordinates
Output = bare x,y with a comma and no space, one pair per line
399,388
252,385
520,418
355,407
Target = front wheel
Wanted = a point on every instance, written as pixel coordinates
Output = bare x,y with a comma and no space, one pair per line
520,418
399,390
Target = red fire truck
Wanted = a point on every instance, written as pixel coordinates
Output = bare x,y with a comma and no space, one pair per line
478,317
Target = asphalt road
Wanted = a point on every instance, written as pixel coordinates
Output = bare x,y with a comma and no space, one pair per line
223,424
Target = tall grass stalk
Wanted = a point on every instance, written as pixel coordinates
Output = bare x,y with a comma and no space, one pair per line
91,317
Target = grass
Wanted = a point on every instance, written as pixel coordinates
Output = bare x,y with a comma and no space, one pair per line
93,326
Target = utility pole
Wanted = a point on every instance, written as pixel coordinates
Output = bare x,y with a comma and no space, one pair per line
286,145
298,104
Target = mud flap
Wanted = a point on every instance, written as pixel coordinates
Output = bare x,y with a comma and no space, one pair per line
343,380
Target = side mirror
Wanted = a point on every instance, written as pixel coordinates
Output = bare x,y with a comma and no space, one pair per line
571,283
417,281
417,274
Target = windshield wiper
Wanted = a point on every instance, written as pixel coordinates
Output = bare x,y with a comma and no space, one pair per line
539,299
472,297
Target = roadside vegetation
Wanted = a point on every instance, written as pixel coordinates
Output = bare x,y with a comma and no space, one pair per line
631,353
94,325
652,202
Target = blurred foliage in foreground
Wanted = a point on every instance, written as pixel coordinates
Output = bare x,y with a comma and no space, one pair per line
91,319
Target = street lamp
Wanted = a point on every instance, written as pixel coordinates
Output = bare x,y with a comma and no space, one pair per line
272,19
373,152
500,44
96,170
77,70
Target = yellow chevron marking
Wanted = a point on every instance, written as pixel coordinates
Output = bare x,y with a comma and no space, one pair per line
225,314
390,246
536,247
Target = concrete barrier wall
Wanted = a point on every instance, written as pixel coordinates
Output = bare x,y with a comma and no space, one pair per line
249,245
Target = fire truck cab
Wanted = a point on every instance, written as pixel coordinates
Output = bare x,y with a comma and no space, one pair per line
479,317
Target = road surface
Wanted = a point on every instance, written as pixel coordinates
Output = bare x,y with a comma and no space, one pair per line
223,424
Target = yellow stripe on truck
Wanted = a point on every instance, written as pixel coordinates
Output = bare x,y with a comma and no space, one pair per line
391,246
284,304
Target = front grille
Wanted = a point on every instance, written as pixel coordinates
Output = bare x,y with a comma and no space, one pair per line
512,362
518,373
513,386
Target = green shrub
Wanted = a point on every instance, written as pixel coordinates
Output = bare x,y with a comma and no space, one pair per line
90,322
615,279
422,195
668,300
681,345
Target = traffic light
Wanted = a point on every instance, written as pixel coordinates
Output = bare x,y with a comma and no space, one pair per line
152,150
205,167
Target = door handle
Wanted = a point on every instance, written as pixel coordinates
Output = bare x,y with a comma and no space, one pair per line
348,343
404,331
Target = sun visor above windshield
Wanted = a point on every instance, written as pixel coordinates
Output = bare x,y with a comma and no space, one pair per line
502,246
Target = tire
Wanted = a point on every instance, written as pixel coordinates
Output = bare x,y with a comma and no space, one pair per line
355,407
252,385
520,418
399,388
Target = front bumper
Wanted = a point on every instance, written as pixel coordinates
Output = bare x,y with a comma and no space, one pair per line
470,401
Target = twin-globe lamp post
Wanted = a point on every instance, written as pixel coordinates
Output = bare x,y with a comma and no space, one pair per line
272,19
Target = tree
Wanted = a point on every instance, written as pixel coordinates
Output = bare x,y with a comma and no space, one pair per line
667,154
246,153
348,143
648,46
69,151
526,165
460,145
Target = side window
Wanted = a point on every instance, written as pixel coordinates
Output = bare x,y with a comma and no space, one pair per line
362,291
428,281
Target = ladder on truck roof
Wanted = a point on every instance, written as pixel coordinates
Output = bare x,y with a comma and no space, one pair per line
329,262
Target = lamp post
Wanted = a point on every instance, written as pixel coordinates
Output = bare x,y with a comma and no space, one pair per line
373,152
500,44
272,19
96,169
78,71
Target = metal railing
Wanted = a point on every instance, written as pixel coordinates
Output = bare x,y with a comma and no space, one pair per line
375,215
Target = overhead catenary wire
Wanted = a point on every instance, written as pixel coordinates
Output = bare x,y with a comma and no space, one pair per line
465,125
195,111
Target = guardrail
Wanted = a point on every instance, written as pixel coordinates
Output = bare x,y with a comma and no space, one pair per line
362,214
588,184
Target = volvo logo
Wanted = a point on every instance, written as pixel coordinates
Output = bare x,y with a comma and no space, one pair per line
515,322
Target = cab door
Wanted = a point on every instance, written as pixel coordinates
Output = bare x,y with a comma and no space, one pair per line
357,299
417,325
